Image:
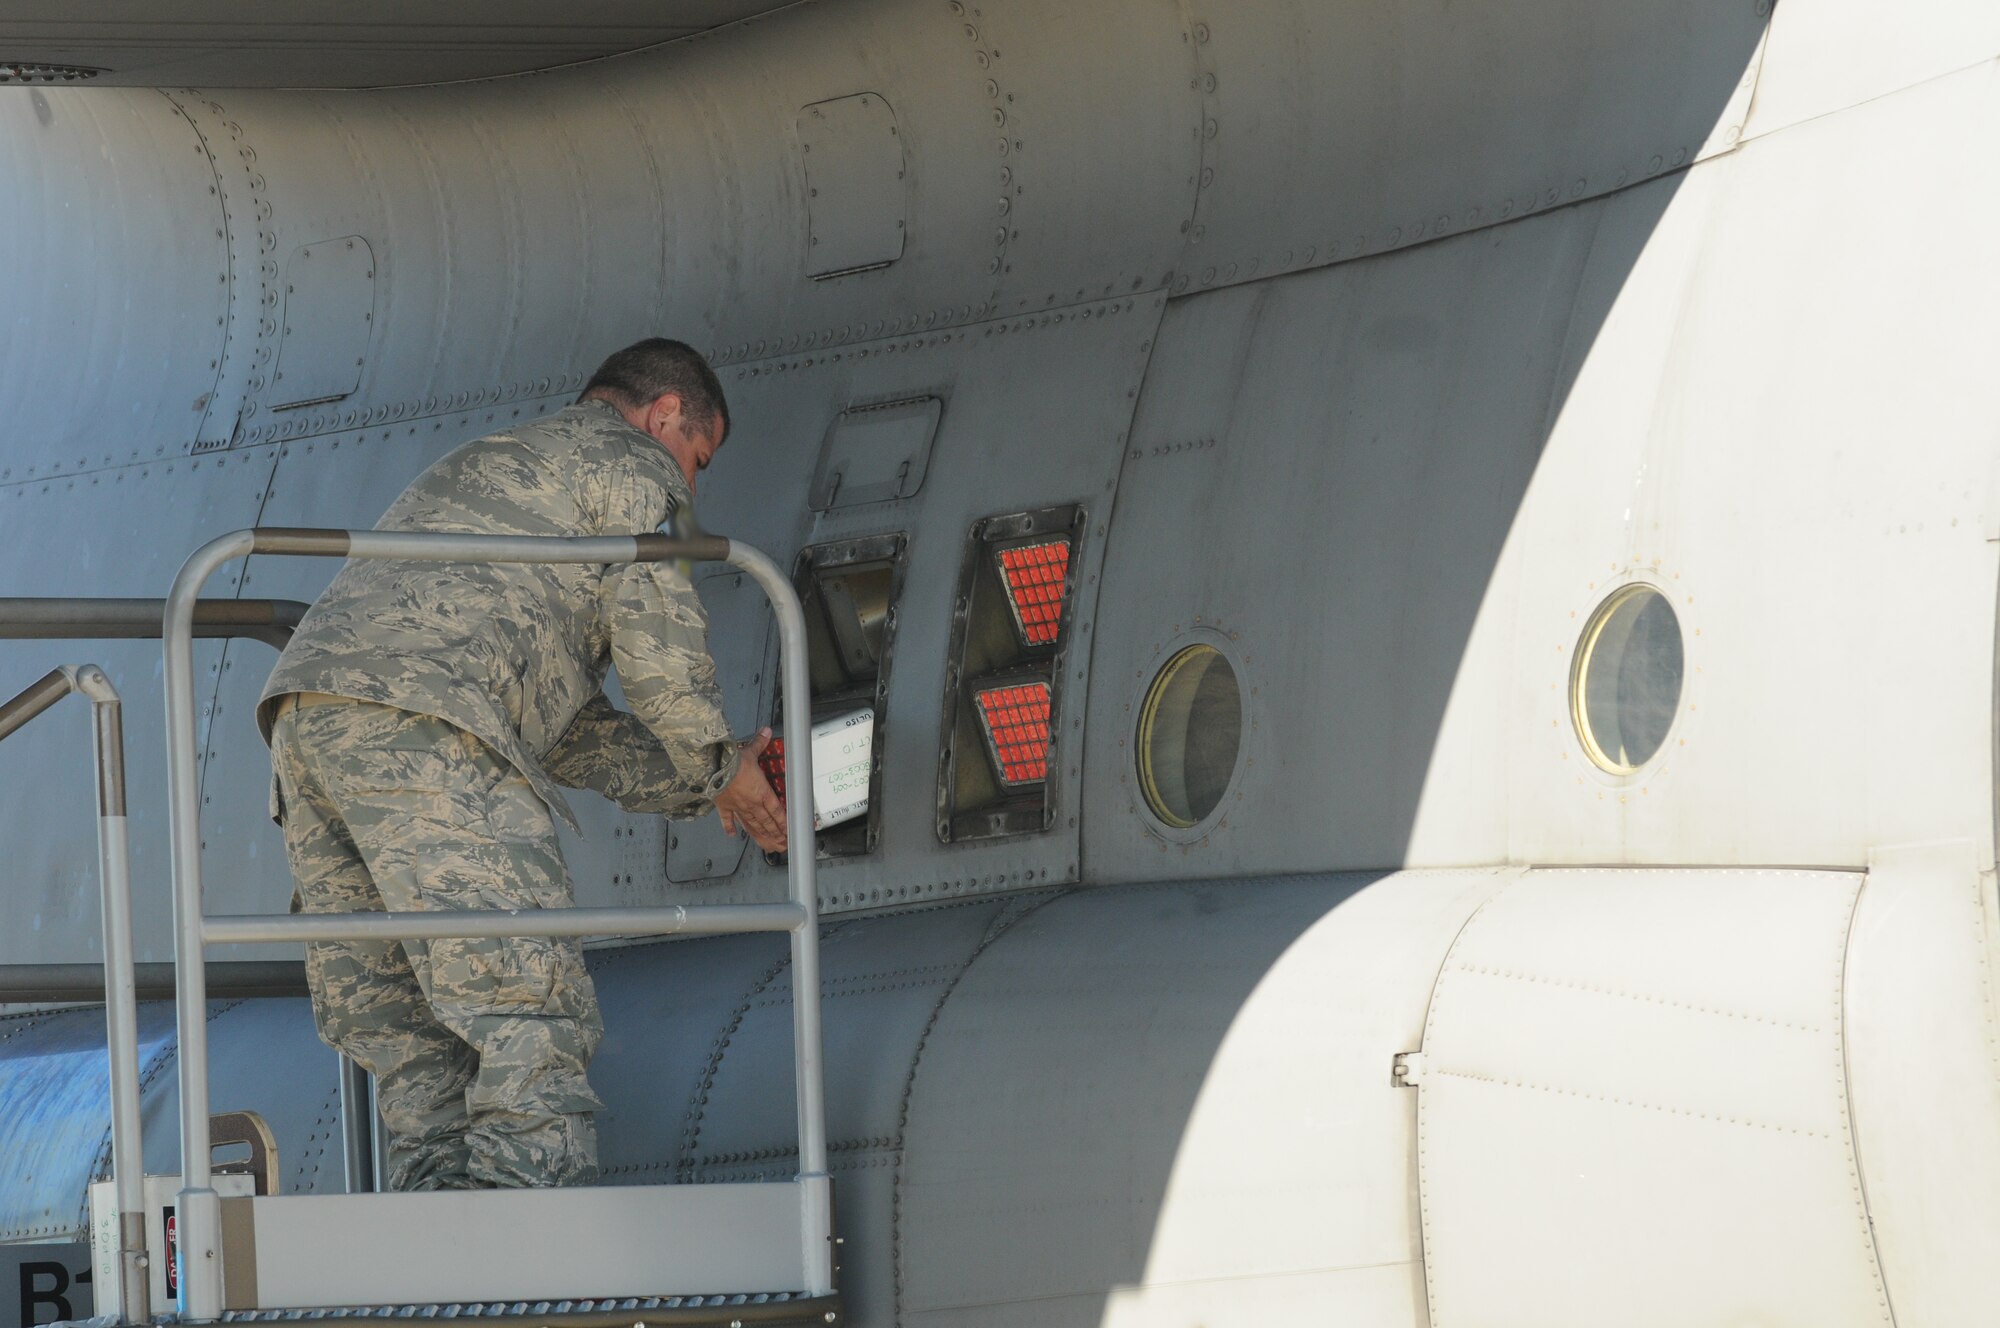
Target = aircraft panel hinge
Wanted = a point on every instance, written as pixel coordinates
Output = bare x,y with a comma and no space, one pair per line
1407,1070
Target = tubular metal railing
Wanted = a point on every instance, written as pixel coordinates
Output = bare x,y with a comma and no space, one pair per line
272,621
243,979
32,618
121,1001
198,1205
51,618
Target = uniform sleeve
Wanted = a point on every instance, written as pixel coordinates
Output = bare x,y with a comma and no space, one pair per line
609,751
659,645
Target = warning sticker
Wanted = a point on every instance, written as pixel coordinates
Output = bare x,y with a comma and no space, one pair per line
173,1256
843,754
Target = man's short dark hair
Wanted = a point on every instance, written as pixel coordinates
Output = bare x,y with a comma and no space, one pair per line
645,371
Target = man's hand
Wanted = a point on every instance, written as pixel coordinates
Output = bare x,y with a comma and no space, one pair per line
749,802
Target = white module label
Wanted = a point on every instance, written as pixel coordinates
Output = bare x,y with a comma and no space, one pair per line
843,750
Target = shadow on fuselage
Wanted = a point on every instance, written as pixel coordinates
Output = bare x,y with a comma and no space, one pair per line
1011,1079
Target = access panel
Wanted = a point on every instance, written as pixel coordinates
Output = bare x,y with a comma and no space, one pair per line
1631,1073
329,310
854,169
877,452
1036,412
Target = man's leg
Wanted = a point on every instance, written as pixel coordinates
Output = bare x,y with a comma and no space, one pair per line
365,997
446,824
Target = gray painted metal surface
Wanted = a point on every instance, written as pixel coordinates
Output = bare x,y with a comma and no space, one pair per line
327,313
56,1137
739,627
220,44
57,1141
852,154
1087,183
1391,369
876,453
1380,345
52,914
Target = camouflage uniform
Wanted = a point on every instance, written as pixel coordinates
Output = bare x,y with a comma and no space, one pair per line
420,721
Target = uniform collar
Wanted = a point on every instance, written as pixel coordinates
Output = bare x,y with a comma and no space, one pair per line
667,470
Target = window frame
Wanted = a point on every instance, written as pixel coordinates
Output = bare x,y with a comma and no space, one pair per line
812,562
1007,811
1583,655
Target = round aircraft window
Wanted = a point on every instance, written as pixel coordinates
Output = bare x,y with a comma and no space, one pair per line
1189,730
1626,683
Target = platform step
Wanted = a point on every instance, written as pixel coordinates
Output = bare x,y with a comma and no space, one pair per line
730,1311
770,1307
494,1249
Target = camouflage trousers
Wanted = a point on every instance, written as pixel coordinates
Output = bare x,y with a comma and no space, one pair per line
478,1047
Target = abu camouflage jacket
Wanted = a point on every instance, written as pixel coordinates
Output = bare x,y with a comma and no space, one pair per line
517,654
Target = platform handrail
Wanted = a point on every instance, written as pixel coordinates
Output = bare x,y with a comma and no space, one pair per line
98,618
106,618
70,984
121,1001
111,618
198,1205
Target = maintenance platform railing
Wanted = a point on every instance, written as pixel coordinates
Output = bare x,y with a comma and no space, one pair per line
370,1249
741,1235
100,618
96,618
121,999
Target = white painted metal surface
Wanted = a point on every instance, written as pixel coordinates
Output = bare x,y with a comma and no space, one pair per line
1632,1074
1839,55
1923,1057
158,1207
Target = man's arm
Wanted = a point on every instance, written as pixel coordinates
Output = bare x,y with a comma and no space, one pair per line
659,645
609,751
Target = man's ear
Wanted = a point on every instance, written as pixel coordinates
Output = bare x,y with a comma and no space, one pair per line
665,408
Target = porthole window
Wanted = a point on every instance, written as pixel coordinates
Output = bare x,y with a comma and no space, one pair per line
1190,729
1626,683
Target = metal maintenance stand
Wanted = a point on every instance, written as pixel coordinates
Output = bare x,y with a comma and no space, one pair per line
126,1218
587,1257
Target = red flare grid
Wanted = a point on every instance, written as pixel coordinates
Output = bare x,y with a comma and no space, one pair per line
1035,576
773,764
1017,724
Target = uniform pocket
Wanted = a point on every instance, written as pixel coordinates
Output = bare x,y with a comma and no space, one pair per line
372,748
488,976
